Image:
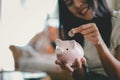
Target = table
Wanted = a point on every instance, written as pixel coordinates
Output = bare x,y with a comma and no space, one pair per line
17,75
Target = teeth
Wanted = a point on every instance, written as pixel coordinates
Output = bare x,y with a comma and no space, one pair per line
71,33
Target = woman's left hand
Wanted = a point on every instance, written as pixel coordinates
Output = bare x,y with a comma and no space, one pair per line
89,31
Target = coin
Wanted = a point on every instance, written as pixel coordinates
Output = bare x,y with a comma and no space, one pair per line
71,33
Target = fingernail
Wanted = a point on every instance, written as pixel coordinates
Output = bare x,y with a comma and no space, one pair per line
82,60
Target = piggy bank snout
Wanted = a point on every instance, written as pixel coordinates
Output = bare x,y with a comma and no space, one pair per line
58,50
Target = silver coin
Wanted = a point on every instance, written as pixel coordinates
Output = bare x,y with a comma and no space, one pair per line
70,33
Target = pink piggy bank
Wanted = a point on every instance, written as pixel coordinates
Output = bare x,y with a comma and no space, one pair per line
68,50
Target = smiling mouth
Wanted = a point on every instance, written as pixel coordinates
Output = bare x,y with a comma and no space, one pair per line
83,11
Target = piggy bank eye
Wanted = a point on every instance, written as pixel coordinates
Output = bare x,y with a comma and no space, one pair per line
67,49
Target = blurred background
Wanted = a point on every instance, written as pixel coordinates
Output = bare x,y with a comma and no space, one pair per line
21,20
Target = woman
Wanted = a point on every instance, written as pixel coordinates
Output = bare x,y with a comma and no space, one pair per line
95,28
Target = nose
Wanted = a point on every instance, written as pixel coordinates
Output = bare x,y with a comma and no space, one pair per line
77,3
58,50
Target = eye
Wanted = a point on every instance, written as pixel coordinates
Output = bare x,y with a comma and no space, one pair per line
67,49
69,2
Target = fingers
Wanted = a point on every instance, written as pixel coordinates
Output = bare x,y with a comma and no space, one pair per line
69,68
89,31
84,29
58,62
90,34
64,66
83,60
78,64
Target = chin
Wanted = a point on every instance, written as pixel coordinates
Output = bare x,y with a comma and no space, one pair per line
85,17
89,18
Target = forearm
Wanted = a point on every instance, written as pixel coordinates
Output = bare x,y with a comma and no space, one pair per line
39,64
110,63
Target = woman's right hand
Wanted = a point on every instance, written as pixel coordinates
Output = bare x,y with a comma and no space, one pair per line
89,31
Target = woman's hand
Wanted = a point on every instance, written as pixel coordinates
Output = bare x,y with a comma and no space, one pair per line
89,31
78,65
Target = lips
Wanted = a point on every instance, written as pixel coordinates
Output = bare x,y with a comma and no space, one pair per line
83,11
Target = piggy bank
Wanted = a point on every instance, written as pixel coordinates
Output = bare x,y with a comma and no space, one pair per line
68,50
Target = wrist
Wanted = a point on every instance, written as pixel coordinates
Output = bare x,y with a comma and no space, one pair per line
99,43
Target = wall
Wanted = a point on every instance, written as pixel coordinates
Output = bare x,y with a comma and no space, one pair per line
20,21
114,4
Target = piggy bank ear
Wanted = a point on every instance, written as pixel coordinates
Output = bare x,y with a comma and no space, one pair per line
58,42
73,43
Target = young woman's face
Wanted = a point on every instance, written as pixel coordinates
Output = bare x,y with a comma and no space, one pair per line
80,9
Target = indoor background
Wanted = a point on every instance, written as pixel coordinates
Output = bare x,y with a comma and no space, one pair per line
20,20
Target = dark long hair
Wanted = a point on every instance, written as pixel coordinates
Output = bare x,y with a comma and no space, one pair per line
102,19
